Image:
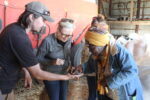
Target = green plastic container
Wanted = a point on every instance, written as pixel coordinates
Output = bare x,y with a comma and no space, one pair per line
134,98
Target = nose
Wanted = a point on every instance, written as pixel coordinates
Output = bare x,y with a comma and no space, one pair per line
63,36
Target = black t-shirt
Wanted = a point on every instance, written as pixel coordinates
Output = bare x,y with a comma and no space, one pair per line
15,52
61,42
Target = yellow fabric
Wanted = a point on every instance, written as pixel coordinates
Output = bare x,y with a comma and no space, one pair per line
97,39
103,67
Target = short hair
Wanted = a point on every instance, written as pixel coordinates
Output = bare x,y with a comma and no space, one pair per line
24,20
65,22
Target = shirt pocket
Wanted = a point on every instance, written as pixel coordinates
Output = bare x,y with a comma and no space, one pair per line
131,88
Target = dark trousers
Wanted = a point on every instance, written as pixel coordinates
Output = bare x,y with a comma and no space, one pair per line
57,90
103,97
92,88
93,93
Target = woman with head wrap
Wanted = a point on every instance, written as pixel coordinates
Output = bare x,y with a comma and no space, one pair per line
54,56
116,71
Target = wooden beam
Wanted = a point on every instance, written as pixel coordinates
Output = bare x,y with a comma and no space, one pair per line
134,1
122,29
134,15
128,8
130,22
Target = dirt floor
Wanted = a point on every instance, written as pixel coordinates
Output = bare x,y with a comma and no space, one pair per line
28,94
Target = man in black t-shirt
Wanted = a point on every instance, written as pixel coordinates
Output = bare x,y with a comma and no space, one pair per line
16,52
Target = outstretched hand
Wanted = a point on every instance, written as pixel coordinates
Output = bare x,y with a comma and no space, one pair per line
74,76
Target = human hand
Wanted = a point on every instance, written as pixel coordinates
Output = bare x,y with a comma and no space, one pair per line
27,78
69,76
79,69
58,62
75,70
70,69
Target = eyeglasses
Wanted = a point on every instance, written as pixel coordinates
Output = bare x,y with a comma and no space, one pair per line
66,35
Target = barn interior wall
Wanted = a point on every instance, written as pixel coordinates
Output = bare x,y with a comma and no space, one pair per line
121,8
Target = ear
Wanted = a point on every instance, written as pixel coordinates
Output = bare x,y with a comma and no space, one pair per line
31,17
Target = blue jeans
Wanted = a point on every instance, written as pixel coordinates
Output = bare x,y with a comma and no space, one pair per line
92,88
57,90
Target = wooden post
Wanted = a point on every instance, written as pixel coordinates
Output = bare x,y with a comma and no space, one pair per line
110,8
131,10
138,15
99,6
138,9
137,29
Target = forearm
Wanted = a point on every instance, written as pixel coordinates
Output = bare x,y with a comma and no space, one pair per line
51,76
43,75
46,62
120,78
128,69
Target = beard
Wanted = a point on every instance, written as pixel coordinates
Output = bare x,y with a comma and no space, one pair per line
41,31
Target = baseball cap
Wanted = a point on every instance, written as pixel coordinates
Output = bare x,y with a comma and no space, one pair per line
37,7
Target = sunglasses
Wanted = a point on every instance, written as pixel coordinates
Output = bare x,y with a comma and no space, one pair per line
67,20
66,35
46,13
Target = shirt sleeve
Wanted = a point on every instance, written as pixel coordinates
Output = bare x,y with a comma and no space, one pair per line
22,49
128,69
42,51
